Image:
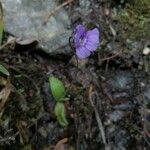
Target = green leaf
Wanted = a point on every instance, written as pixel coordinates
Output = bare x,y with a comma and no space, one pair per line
1,23
4,70
57,88
59,111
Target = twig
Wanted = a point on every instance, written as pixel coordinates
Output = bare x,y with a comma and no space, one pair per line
10,41
71,45
100,125
55,10
107,66
111,57
27,77
33,123
105,92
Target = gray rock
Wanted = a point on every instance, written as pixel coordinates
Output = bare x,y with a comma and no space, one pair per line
121,80
147,94
125,106
24,19
84,5
116,115
121,139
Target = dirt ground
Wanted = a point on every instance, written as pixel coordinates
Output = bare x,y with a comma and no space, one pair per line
109,93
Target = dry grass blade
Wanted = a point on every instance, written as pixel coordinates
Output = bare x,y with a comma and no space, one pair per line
10,43
59,145
4,94
21,125
100,125
111,57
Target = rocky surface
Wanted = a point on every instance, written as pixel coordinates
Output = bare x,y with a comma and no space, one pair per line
24,19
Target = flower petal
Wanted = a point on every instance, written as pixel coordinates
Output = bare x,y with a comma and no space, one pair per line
79,31
92,39
82,52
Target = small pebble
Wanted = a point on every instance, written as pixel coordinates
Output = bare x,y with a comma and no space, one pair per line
146,51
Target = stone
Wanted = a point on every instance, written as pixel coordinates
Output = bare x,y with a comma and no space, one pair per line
24,19
116,115
84,5
147,94
146,51
121,81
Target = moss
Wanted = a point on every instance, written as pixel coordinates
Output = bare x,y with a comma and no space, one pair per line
141,7
134,19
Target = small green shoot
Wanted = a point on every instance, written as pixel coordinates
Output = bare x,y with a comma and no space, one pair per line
4,70
59,93
60,113
57,88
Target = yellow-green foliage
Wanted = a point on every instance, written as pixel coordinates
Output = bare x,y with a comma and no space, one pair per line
142,7
1,23
134,20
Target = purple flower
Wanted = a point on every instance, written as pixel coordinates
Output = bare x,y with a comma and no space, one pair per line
85,41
